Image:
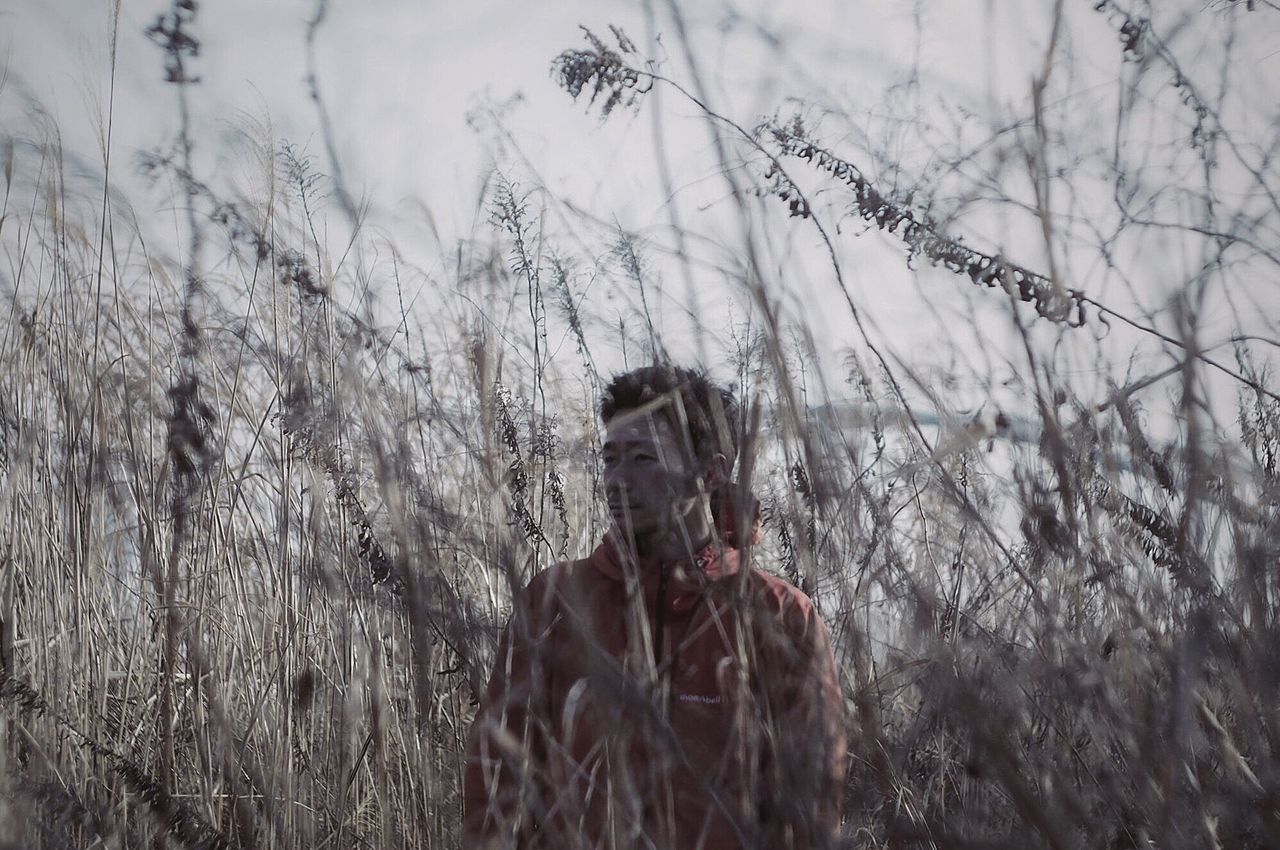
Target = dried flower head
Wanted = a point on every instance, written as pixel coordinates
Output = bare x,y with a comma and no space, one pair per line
922,235
602,71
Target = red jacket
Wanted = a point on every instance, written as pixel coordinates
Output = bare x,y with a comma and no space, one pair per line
686,707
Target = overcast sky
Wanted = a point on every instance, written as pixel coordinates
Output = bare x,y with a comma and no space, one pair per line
413,89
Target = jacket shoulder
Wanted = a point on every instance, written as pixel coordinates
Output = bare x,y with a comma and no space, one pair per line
562,580
780,593
560,575
784,600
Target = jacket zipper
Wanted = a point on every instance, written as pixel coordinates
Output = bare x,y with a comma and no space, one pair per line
659,632
662,813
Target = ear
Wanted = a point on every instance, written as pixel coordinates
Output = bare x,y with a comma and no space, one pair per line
716,471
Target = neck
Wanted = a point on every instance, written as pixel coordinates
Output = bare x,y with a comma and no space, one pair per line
688,538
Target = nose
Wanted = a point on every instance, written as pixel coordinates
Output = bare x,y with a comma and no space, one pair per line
616,485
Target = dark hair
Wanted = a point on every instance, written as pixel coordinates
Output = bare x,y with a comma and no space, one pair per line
711,411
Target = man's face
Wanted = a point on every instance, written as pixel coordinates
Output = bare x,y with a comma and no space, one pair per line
650,483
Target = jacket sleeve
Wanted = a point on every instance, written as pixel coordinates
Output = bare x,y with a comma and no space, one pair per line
806,770
827,713
504,753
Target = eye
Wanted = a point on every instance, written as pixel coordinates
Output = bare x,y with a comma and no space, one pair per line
643,457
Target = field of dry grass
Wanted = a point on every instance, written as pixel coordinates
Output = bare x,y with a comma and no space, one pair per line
257,539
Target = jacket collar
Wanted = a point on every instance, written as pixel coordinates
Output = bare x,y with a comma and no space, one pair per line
712,562
718,560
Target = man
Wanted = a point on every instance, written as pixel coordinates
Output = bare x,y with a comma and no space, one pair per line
661,693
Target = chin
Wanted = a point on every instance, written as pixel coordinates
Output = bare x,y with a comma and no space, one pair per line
632,529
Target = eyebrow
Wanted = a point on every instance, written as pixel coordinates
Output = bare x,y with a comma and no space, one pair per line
635,441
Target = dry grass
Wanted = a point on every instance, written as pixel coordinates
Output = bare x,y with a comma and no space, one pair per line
257,543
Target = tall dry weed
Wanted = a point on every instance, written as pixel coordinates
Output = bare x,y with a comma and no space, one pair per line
258,539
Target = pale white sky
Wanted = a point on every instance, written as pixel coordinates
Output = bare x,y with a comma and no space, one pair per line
900,83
